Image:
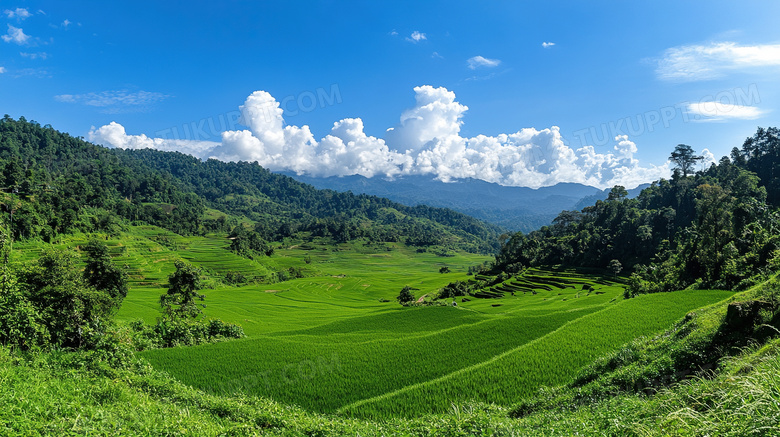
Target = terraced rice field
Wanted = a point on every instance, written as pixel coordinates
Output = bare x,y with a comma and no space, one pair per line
337,342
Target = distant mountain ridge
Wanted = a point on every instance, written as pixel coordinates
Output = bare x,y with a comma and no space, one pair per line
515,208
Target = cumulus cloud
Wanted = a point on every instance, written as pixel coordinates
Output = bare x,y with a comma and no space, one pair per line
115,101
426,141
480,61
114,135
547,44
19,13
719,111
708,158
703,62
2,70
16,35
416,37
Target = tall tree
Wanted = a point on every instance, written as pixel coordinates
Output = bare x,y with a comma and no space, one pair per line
617,192
183,286
74,313
685,158
615,267
101,272
406,295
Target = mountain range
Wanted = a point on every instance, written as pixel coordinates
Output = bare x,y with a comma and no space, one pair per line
513,208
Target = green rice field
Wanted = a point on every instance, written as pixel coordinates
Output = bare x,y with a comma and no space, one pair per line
336,340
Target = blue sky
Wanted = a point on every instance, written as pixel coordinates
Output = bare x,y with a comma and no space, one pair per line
591,92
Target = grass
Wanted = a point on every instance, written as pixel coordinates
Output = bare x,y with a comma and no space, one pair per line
336,342
323,375
40,397
551,359
328,344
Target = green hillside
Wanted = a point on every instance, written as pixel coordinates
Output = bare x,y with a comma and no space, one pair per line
231,301
57,184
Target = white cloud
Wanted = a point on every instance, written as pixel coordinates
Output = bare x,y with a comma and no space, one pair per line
480,61
703,62
718,111
39,55
426,140
416,37
547,44
708,159
16,35
66,23
19,13
2,70
114,135
115,100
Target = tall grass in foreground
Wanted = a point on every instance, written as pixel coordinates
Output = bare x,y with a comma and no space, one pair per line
741,399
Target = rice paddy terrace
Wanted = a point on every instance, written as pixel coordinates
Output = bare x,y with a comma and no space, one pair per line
336,341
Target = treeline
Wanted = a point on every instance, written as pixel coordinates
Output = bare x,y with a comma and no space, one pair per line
54,183
716,228
285,206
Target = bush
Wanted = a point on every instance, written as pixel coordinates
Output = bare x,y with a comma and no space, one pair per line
181,332
235,278
453,289
53,295
406,295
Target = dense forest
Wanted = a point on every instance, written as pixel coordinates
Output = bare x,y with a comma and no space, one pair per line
716,228
53,183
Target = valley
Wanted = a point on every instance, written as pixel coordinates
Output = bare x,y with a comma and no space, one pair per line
288,310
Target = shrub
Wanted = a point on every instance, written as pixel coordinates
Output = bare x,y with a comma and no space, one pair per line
181,332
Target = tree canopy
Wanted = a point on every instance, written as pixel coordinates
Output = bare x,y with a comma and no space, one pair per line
55,184
685,158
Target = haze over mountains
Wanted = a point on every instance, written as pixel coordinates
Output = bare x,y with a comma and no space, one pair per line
514,208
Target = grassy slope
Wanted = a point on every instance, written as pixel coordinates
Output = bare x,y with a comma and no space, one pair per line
339,310
551,359
327,343
741,400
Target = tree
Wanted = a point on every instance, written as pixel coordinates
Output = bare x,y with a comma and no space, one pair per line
406,295
454,289
102,273
615,267
684,158
617,192
444,269
74,313
20,322
183,286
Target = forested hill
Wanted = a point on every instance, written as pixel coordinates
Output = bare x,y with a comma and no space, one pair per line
717,228
55,183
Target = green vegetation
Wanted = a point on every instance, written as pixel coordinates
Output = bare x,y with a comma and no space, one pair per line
56,184
145,293
138,400
712,229
551,356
